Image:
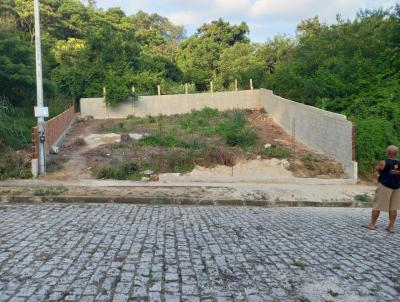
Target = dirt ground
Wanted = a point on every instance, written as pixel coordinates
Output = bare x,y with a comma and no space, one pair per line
92,143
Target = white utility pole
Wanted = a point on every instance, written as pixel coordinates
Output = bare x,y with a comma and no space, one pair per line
40,111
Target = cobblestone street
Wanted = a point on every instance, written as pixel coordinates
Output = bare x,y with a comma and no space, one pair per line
177,253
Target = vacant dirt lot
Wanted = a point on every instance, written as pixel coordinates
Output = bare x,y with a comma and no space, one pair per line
204,143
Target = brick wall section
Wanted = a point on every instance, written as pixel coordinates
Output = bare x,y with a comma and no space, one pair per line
55,127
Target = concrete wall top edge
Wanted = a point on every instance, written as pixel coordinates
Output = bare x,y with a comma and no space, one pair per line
92,99
144,97
308,107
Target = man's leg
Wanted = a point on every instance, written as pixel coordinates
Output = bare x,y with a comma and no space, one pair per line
374,218
392,220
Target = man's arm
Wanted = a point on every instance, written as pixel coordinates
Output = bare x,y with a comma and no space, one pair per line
379,167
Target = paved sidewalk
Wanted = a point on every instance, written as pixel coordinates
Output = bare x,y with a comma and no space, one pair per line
272,192
177,253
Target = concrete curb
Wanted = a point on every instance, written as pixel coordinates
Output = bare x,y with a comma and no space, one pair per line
177,201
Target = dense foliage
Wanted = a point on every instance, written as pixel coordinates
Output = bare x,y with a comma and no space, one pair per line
350,67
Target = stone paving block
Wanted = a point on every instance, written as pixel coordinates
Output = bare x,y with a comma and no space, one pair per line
118,252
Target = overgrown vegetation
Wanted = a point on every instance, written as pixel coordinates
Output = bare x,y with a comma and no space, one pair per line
358,77
276,152
13,164
176,144
15,130
119,171
236,132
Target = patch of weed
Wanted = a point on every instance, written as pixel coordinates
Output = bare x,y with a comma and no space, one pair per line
119,172
151,119
338,253
50,191
363,198
14,164
235,131
199,121
136,176
300,264
213,155
164,141
117,146
332,293
276,152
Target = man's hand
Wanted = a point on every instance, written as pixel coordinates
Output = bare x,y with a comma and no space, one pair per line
379,167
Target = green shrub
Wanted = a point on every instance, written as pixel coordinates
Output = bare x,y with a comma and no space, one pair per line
373,136
363,197
276,152
15,129
117,88
235,132
119,172
199,121
13,164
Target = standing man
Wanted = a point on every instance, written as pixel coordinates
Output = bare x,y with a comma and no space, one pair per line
387,197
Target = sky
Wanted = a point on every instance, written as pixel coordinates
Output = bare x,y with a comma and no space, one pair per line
266,18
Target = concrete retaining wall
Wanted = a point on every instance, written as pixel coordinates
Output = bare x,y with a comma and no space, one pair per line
327,132
97,108
184,103
171,104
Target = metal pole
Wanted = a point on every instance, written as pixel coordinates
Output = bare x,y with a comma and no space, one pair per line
39,89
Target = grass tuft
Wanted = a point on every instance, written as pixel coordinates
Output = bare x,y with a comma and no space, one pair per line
50,191
235,131
276,152
363,197
300,264
119,172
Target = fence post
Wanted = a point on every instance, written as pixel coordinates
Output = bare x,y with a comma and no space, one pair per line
186,88
236,85
159,89
104,92
133,89
211,87
251,84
